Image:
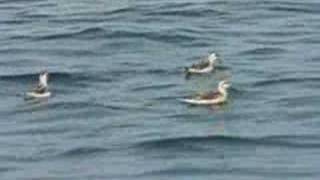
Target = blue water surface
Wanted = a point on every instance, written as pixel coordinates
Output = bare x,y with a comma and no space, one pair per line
117,71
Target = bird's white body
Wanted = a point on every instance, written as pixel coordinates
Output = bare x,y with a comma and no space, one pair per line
34,95
203,101
201,71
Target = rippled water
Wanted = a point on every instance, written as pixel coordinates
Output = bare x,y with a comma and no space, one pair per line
117,72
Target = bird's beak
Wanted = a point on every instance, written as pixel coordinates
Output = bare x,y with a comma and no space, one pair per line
227,84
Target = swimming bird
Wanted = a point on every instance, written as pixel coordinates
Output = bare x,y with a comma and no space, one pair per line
218,96
205,66
42,89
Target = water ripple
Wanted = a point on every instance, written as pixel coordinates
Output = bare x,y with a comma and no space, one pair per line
200,143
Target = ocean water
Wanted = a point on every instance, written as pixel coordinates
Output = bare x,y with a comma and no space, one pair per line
116,71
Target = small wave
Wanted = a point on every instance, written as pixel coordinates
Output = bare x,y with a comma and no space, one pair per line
15,22
83,151
305,10
197,143
74,152
119,11
281,34
285,81
162,86
263,51
184,9
35,131
186,13
182,116
177,5
90,33
29,15
180,142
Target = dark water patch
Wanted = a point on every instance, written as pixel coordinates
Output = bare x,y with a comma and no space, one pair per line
153,87
197,43
36,131
206,171
179,5
203,143
286,81
281,34
170,71
15,22
301,8
8,169
85,19
22,158
82,151
182,116
264,51
155,71
31,15
120,11
189,13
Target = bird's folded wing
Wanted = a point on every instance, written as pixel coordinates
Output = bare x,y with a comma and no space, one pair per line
209,95
40,89
202,64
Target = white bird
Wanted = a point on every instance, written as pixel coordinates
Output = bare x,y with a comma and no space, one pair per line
218,96
42,89
205,66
